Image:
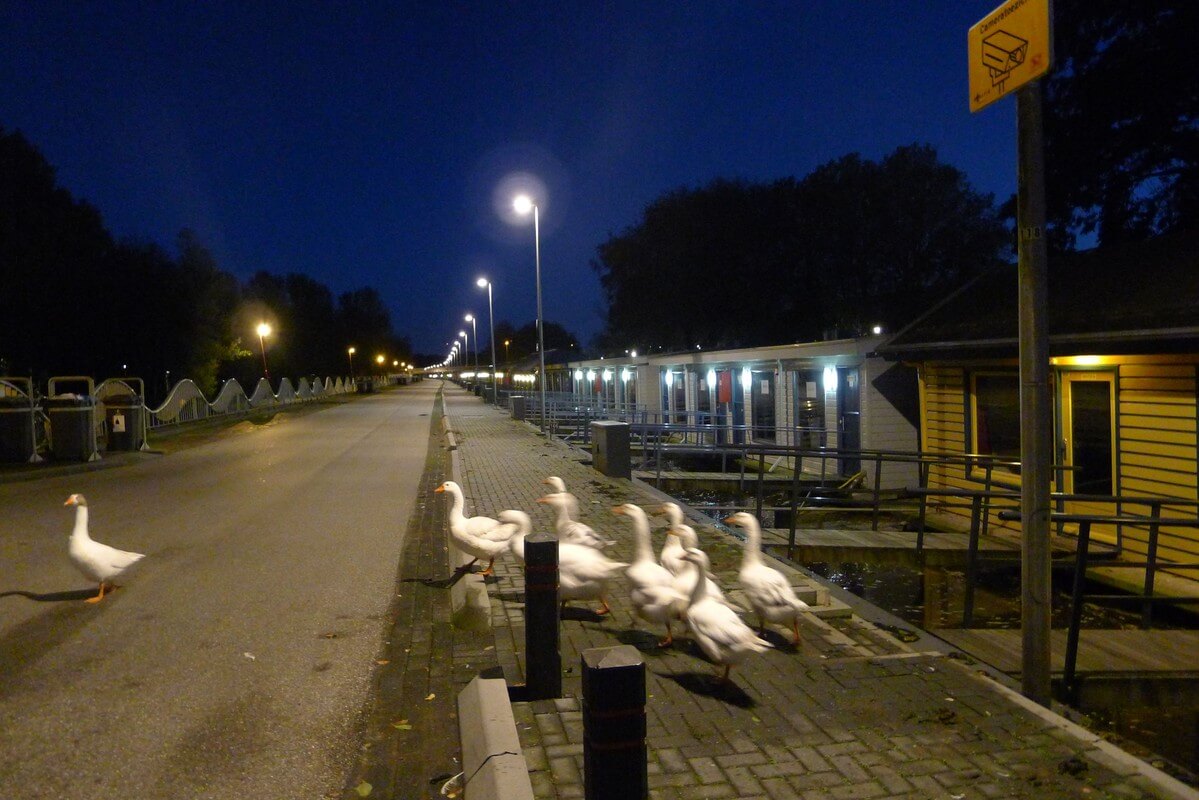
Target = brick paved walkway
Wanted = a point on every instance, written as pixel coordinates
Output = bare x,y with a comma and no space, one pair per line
851,713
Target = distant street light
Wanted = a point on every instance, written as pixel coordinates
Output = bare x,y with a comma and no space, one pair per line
523,205
351,353
465,349
264,331
495,392
474,334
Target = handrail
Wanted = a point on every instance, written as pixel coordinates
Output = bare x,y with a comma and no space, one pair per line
1147,598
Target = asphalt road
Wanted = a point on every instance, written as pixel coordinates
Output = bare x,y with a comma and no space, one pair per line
236,661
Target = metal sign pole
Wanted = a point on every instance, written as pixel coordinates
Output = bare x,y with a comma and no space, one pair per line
1036,430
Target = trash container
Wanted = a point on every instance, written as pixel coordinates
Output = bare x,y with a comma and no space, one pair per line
72,432
365,385
517,403
17,442
610,448
124,415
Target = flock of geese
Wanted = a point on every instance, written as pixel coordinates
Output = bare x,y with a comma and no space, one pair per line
677,586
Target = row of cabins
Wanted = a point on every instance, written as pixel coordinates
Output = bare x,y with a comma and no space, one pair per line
1124,346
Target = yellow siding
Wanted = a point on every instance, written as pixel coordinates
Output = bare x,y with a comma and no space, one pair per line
1156,452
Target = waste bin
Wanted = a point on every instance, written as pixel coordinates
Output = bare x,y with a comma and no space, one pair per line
124,415
17,442
517,403
610,448
365,385
72,432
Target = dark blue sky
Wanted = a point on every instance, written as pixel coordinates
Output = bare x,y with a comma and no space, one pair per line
365,143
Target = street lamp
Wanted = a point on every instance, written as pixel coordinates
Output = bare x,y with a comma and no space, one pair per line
351,353
481,282
264,331
379,360
474,334
465,349
523,204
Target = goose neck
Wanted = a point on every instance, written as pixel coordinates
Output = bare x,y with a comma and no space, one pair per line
80,530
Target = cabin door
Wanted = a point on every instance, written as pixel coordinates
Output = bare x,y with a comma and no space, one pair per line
849,417
1088,433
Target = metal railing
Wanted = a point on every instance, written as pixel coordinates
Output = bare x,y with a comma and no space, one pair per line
1146,597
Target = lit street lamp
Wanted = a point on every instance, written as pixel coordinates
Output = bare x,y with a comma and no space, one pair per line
351,353
523,205
474,334
264,331
481,282
465,349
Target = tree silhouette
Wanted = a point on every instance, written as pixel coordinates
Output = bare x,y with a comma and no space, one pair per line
1121,110
854,244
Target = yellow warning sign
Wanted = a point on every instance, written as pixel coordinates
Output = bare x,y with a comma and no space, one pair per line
1008,48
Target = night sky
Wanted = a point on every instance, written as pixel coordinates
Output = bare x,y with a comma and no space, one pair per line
374,144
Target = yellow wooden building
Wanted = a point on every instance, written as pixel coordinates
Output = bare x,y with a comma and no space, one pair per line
1124,346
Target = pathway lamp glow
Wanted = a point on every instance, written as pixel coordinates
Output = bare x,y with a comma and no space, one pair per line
350,352
523,204
264,331
483,282
474,334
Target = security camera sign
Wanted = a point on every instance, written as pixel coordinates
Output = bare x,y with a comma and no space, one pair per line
1008,48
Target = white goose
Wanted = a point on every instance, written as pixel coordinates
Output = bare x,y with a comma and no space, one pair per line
523,527
652,587
768,592
481,537
567,530
671,556
583,572
678,538
720,633
559,487
95,560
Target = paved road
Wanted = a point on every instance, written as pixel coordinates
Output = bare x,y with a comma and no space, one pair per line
236,662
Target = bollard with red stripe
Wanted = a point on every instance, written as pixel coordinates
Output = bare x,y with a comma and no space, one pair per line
543,661
614,753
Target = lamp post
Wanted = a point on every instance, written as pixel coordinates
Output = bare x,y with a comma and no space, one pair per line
264,331
351,353
474,334
523,205
495,392
465,337
379,359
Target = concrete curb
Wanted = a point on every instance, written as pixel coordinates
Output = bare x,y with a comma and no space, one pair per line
493,765
470,604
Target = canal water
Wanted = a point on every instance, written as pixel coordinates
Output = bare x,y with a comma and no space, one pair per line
933,598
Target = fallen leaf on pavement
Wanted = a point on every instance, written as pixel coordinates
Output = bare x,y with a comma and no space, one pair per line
363,789
431,696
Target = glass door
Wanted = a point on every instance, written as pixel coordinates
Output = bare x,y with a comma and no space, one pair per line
1089,432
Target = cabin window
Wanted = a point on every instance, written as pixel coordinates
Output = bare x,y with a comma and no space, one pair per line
994,406
995,419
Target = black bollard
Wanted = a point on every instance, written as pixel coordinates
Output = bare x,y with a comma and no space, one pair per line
614,754
543,662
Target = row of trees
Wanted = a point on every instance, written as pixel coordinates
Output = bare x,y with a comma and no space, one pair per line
75,301
858,243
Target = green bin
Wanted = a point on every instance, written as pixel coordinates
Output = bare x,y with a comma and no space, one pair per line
72,432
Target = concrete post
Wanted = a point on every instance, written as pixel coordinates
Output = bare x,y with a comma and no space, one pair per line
614,752
543,661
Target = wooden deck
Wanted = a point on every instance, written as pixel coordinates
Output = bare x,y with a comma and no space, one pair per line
1099,651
